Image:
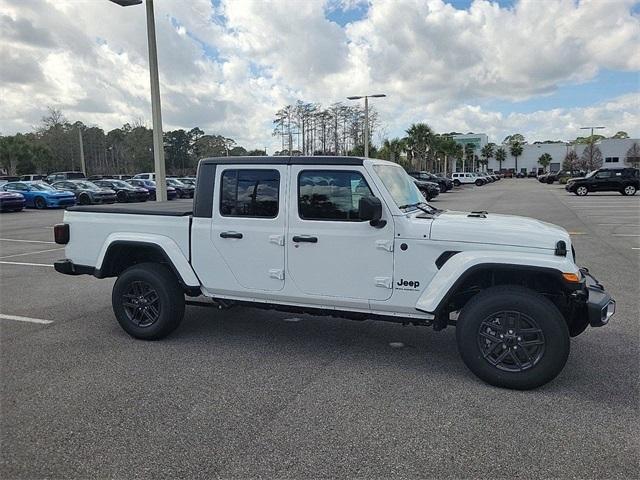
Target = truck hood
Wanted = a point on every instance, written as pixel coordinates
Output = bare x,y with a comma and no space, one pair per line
497,229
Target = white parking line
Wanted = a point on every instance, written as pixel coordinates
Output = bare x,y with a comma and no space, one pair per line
32,253
25,241
18,318
625,234
27,264
616,224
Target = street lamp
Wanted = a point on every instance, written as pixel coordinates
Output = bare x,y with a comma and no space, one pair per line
366,117
158,148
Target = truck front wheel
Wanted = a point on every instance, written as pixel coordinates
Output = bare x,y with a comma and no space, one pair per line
512,337
148,301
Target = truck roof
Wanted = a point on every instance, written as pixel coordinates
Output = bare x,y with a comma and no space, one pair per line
284,160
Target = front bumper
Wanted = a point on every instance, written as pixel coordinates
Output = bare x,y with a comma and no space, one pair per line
61,202
600,305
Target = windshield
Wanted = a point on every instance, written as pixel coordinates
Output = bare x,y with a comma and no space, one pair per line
400,185
43,187
120,183
591,174
88,185
173,181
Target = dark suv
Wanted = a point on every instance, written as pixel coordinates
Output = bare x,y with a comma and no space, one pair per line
623,180
444,183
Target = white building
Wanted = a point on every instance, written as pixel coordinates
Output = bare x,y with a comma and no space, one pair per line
478,140
614,151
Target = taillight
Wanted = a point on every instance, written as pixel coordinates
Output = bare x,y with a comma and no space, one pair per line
61,233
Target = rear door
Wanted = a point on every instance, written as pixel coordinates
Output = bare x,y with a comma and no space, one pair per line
248,223
330,251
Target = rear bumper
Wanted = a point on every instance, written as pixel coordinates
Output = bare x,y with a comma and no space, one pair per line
67,267
600,305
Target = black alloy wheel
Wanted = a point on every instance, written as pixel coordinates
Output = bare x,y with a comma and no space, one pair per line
141,304
40,203
511,341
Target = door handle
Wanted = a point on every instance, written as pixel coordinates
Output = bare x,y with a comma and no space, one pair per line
305,238
230,235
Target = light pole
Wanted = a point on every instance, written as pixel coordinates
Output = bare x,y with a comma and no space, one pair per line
366,117
158,147
591,142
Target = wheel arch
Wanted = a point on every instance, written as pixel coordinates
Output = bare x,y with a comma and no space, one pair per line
122,254
467,273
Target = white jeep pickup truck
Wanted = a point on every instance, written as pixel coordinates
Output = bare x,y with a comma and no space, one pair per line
346,237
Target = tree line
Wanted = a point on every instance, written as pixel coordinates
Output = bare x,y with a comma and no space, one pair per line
54,145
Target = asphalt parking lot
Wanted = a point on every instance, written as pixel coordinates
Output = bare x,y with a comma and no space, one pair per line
247,393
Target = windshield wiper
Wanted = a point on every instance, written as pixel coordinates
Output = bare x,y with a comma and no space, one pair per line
421,206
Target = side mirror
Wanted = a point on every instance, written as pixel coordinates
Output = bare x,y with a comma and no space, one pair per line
370,208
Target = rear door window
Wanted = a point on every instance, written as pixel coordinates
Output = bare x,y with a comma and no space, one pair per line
250,193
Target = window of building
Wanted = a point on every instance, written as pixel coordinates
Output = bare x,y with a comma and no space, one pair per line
612,159
250,193
331,195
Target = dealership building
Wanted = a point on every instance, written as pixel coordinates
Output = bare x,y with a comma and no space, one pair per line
614,153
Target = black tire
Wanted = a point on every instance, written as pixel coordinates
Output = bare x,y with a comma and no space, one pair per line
581,190
456,183
479,182
40,203
122,196
152,315
152,196
482,341
425,194
628,190
84,199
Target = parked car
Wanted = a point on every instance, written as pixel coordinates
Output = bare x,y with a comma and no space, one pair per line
8,178
623,180
11,201
532,174
60,176
349,237
150,185
479,180
563,176
520,175
444,183
145,176
125,192
32,177
183,190
87,192
429,190
464,178
41,195
188,181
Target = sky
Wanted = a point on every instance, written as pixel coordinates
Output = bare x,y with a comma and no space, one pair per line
543,68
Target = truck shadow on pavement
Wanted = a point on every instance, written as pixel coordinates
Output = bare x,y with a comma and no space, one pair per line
280,339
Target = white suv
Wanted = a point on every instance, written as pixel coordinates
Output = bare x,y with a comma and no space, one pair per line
466,178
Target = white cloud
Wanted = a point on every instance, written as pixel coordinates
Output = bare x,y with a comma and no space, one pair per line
228,67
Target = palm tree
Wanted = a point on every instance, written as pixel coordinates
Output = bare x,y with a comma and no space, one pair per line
544,160
419,141
469,150
487,153
501,156
516,150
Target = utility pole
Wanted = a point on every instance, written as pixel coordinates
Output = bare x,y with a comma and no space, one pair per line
366,117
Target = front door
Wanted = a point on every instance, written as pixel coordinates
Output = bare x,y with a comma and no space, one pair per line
330,251
248,224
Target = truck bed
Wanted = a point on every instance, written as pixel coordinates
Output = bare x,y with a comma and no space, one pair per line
173,208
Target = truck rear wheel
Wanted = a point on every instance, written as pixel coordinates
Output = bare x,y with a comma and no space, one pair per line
512,337
148,301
